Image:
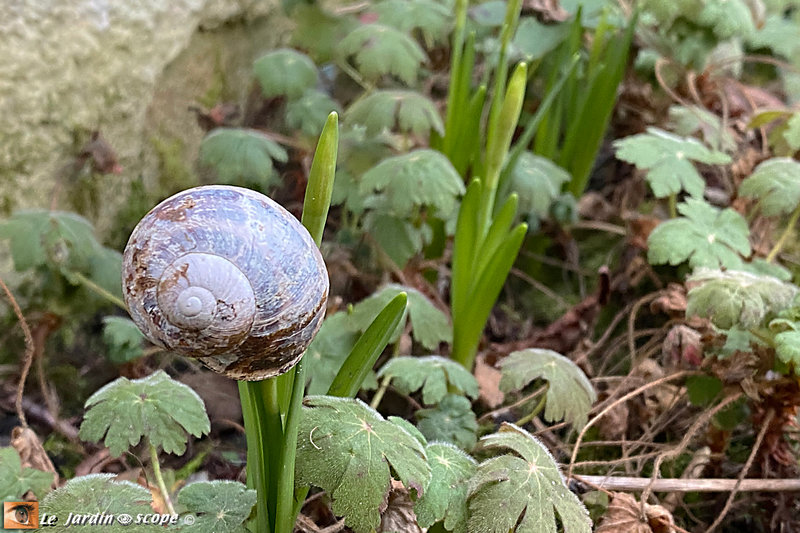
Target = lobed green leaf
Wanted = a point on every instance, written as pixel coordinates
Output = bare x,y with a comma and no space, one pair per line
156,407
218,506
776,185
451,420
285,72
570,394
705,236
347,449
378,50
446,497
395,110
433,374
242,155
522,492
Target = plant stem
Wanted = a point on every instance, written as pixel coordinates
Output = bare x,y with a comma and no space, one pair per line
271,446
536,410
100,291
285,516
673,205
159,478
784,236
257,465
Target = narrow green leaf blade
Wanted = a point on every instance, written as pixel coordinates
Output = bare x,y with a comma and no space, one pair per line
367,349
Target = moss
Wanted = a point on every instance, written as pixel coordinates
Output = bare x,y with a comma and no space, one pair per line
218,89
174,174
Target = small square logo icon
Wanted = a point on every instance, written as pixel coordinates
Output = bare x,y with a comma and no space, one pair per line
20,515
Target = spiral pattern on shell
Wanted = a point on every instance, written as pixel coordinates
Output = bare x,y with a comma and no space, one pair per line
226,275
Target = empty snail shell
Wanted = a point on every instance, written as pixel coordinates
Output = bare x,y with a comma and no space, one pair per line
226,275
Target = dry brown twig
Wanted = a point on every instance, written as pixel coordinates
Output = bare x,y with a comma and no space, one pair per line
28,357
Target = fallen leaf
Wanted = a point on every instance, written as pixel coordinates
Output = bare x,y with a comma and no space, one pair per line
682,346
671,301
545,11
488,383
31,452
399,516
624,516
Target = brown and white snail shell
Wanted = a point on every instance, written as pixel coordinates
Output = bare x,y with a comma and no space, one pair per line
226,275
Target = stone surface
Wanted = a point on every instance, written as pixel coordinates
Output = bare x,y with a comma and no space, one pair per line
127,69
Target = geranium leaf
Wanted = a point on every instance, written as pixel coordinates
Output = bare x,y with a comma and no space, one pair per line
100,495
537,181
690,120
522,492
704,235
451,420
432,18
446,497
433,374
64,242
242,155
347,448
396,236
156,407
420,178
218,506
776,185
122,338
285,72
737,299
309,112
429,325
403,111
668,160
570,394
378,50
15,481
787,347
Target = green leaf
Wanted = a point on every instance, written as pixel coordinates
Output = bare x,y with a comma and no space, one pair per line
690,120
668,159
787,347
737,299
429,325
328,350
379,50
403,111
535,40
218,506
703,390
242,155
309,112
347,448
285,72
318,31
15,481
433,374
776,185
156,407
570,395
727,18
446,497
420,178
122,338
792,132
432,18
705,236
538,182
522,492
398,238
368,348
452,420
101,496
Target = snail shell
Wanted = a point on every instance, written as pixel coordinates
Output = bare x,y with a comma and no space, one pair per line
226,275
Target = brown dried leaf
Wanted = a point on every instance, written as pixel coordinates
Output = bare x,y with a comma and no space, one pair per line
102,156
31,452
624,516
546,11
614,425
671,301
488,382
399,516
639,229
